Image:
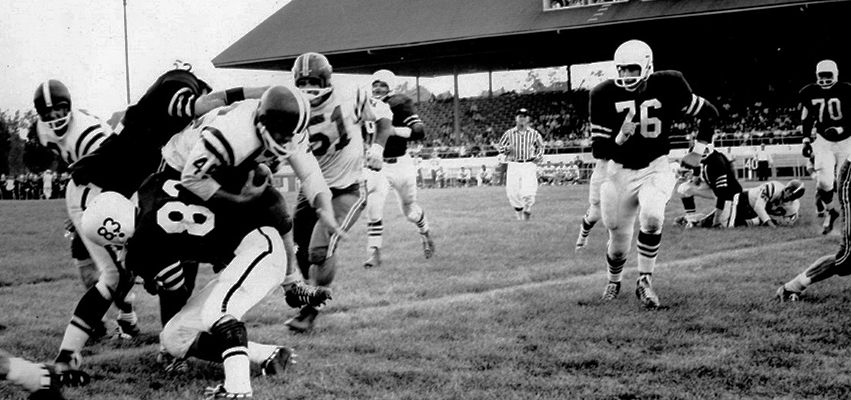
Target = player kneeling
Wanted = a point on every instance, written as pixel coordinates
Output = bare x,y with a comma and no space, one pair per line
769,204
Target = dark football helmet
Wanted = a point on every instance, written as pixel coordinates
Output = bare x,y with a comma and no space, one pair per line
283,113
313,69
52,102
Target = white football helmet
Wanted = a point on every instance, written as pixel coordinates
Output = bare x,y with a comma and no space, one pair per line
633,53
827,73
380,79
283,112
110,219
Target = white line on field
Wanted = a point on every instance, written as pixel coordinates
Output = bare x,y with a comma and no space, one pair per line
703,259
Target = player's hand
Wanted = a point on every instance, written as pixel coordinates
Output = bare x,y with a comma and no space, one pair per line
375,157
254,186
627,130
807,149
692,160
769,223
834,131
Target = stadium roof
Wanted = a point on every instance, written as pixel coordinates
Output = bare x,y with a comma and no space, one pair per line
441,37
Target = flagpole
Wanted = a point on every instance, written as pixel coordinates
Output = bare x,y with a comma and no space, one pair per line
126,55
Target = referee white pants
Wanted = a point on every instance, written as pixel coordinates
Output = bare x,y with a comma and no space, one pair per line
521,184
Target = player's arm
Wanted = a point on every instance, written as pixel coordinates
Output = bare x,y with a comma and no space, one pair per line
208,102
313,184
759,206
369,109
414,128
539,147
602,136
707,115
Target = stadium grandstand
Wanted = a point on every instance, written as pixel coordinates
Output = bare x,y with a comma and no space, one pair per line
750,57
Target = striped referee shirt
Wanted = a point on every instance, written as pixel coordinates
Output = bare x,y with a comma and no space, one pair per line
528,144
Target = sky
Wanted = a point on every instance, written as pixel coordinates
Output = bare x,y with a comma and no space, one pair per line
81,43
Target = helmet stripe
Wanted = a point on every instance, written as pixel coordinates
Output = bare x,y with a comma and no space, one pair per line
45,90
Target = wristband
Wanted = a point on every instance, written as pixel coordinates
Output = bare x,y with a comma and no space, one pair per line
233,95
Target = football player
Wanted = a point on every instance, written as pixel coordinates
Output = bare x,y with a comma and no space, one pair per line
827,266
212,157
769,204
43,381
336,122
399,171
717,182
633,113
214,212
70,134
120,164
823,107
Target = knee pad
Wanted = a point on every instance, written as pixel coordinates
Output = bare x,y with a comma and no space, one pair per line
229,333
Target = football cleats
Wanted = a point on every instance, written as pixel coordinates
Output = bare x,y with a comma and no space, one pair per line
283,112
628,55
110,219
52,102
313,69
794,190
383,82
827,73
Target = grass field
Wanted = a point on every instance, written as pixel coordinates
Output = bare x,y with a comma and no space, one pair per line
505,310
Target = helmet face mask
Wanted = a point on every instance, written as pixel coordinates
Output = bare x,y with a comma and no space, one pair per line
634,62
312,74
827,73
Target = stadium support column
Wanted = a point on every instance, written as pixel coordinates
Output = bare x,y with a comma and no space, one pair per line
126,54
456,107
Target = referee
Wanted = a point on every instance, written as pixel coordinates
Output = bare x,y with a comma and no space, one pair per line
523,147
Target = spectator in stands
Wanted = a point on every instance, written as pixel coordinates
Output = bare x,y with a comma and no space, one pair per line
572,174
465,177
440,177
556,4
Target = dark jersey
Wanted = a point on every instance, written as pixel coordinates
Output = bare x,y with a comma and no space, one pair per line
827,108
175,225
717,171
404,115
665,97
123,161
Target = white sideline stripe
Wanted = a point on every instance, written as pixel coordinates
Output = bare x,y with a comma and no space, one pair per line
712,258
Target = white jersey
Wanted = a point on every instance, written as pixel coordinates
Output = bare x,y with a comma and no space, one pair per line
335,135
766,200
225,137
85,133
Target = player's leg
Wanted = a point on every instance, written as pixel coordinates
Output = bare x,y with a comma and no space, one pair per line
827,266
825,166
348,204
75,199
377,189
528,187
512,188
304,221
653,194
402,178
593,214
619,207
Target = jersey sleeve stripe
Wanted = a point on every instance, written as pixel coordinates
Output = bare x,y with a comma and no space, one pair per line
223,149
178,101
696,105
412,120
82,139
600,128
95,140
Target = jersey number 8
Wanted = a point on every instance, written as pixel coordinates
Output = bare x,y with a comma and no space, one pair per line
177,217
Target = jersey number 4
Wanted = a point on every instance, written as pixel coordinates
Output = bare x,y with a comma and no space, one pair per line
319,142
651,127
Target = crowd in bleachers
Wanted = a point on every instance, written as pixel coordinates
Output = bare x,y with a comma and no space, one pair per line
31,186
562,120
